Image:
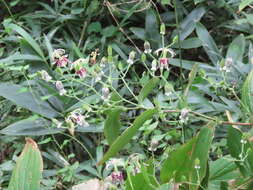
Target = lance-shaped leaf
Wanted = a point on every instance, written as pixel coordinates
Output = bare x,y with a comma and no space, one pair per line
148,87
208,43
28,170
127,135
31,126
112,125
28,99
28,39
112,122
181,163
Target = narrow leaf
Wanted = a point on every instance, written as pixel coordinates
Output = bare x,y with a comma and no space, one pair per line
208,43
244,4
28,38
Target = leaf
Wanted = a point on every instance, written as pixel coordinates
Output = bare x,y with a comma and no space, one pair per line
208,43
239,150
244,4
31,127
112,125
181,162
151,27
192,76
139,32
198,1
147,89
188,24
27,99
126,136
222,169
28,38
28,170
189,43
236,49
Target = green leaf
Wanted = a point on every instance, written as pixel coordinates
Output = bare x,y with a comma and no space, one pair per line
189,43
28,38
151,27
188,24
28,170
27,99
112,125
236,49
208,43
139,32
192,76
181,163
147,89
126,136
31,127
222,169
244,4
198,1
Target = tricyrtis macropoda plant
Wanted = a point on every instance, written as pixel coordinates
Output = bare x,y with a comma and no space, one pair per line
140,95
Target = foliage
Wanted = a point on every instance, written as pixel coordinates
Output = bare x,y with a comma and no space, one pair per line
128,94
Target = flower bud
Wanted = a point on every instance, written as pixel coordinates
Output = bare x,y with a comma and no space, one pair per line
143,57
154,65
162,29
147,48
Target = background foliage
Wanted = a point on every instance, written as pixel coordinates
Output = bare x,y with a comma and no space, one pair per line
190,125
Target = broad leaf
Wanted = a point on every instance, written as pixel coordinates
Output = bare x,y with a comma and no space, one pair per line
32,127
28,99
181,163
28,170
236,49
112,125
127,135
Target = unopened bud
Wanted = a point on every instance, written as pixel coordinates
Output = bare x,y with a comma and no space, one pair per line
162,29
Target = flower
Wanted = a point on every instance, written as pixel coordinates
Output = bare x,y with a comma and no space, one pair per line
228,64
154,65
131,58
81,72
105,93
117,177
147,48
153,145
163,63
103,62
60,59
57,54
62,62
60,87
45,76
165,50
114,163
184,115
77,118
